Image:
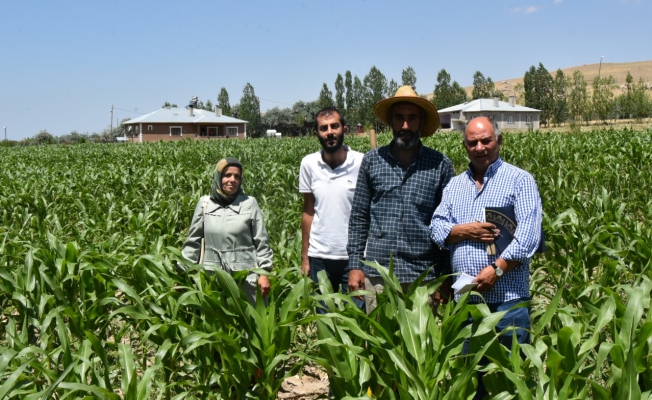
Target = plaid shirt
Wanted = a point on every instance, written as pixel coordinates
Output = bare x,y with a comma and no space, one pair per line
391,212
504,185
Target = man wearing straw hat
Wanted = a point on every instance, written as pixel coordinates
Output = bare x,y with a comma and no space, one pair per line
398,189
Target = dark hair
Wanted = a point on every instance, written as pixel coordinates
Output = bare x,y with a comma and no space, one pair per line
325,112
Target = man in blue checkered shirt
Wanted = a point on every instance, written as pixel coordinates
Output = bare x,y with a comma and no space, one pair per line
503,279
398,188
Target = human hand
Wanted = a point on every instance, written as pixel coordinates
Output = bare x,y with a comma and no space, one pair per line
444,293
305,267
480,231
356,280
264,285
486,279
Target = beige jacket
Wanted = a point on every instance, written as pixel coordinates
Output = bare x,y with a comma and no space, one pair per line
235,236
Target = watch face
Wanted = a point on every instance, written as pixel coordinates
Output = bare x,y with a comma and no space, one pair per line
499,272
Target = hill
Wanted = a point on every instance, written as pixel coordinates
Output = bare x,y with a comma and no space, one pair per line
638,69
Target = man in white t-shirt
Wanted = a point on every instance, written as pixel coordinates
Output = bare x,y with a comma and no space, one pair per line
327,180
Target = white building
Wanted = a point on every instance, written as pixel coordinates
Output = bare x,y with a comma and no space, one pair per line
507,115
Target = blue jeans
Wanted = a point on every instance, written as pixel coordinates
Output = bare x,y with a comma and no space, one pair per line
337,275
518,317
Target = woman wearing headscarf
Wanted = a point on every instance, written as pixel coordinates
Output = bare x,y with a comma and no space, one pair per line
232,228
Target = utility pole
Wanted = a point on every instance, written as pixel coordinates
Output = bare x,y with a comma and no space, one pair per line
600,68
111,131
5,128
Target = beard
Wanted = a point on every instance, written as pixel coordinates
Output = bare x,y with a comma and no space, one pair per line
332,148
407,144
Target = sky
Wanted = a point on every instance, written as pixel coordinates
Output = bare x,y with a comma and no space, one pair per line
64,64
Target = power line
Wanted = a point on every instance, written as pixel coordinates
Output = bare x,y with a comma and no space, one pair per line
135,112
278,102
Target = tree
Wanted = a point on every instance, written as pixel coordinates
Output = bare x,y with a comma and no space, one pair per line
484,88
578,98
537,83
641,104
223,102
348,85
356,108
625,101
445,94
209,105
44,137
280,119
304,116
375,87
603,96
392,87
325,97
559,98
409,78
167,104
250,110
339,93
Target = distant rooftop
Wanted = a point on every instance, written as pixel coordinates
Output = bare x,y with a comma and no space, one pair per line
486,105
182,115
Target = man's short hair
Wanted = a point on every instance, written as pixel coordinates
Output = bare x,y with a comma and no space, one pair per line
493,124
327,111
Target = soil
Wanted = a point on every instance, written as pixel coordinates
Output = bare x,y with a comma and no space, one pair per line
311,384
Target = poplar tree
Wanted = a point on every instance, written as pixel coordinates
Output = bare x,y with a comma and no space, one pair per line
409,78
445,93
348,85
339,93
325,97
223,102
375,87
578,98
250,110
559,98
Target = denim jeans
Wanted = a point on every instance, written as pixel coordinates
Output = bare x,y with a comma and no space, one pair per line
337,275
518,317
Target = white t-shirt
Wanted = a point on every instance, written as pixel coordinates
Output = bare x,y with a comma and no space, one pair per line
333,191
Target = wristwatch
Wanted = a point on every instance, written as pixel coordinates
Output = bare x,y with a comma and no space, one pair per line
499,272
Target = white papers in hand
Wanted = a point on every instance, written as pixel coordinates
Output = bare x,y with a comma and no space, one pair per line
464,283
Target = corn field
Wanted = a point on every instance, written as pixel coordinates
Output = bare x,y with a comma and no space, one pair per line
94,305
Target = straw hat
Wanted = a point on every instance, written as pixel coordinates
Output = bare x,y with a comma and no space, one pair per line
408,95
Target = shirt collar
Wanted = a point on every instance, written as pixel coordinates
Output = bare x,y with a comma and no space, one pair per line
491,171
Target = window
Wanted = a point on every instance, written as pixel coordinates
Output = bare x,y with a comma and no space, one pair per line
510,119
175,131
232,131
150,127
528,119
212,130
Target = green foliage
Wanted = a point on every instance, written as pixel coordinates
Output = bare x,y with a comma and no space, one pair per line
339,94
540,91
485,88
249,111
602,97
409,78
325,98
223,102
578,98
447,94
93,303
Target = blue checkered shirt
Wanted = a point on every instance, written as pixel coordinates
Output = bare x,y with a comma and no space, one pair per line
391,213
504,185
